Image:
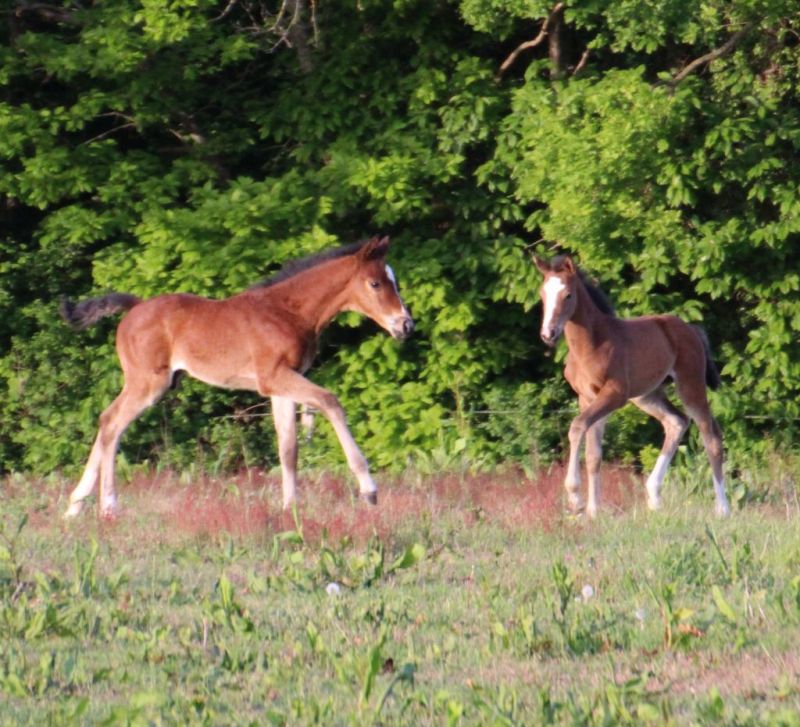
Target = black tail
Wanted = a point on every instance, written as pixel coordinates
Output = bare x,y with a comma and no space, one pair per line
712,374
87,312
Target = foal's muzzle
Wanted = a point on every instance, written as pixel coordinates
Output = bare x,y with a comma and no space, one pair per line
550,336
402,327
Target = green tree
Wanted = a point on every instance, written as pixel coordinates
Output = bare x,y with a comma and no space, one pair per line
193,145
661,153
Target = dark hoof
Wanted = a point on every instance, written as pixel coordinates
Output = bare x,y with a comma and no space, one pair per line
370,497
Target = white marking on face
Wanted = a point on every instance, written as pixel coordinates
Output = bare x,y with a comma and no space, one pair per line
551,290
390,274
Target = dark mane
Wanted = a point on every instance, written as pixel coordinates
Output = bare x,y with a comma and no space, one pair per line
293,267
598,297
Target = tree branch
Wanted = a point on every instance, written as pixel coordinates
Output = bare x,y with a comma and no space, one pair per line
546,23
108,133
288,26
297,35
226,11
724,49
555,45
581,63
45,13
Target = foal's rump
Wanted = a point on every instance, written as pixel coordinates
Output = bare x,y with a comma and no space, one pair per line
662,347
691,348
713,380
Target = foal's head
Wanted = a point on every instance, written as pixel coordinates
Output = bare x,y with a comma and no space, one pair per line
374,290
559,298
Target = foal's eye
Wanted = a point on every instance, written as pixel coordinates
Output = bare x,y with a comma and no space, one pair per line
375,284
567,296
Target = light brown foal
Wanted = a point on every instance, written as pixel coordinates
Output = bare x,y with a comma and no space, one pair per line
263,339
612,361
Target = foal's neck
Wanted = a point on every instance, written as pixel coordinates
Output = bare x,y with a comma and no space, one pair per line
316,295
581,329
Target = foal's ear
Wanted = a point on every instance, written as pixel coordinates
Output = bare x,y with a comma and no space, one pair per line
375,248
543,265
568,265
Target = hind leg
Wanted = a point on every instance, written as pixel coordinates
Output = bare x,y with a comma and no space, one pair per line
114,421
131,402
658,406
692,391
712,441
88,480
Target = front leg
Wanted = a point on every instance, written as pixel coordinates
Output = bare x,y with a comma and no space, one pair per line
288,384
607,400
284,417
594,458
572,481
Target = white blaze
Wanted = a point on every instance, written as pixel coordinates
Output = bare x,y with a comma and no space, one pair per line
390,275
551,290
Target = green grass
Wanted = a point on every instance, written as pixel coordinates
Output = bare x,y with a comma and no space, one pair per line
460,603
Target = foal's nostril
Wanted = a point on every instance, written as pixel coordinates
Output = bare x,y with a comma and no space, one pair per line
408,326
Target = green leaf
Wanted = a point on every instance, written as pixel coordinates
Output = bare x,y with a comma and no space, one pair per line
412,555
723,606
648,712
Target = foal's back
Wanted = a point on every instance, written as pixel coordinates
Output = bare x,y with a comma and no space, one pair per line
219,342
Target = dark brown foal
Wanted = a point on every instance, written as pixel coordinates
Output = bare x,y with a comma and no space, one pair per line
612,361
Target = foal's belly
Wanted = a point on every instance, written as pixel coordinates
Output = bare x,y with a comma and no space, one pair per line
588,382
645,386
217,377
223,346
235,368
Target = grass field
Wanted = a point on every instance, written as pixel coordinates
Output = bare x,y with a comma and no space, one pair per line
460,600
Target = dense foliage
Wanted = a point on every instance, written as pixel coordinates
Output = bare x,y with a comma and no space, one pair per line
196,145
